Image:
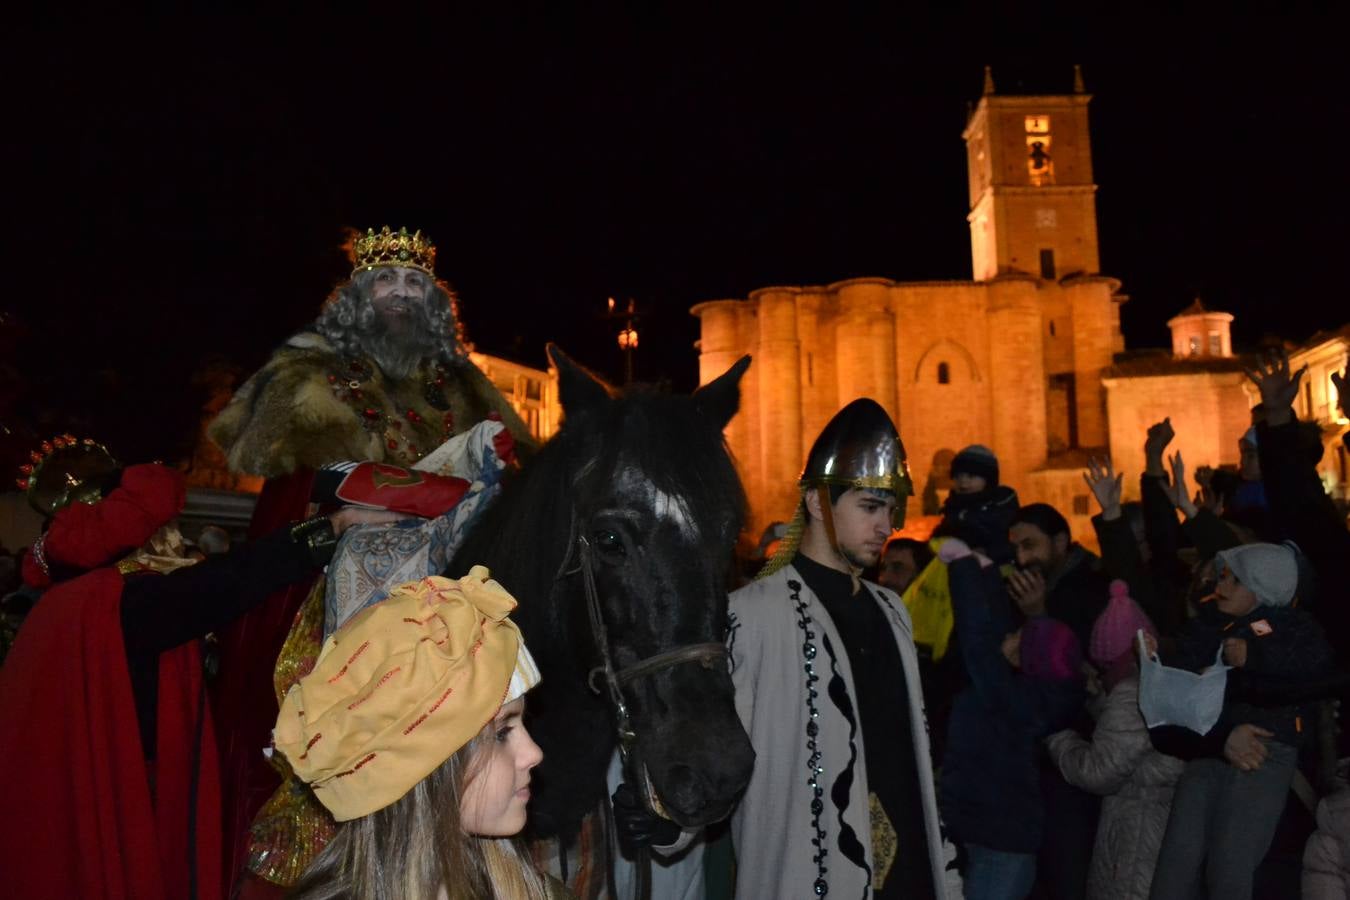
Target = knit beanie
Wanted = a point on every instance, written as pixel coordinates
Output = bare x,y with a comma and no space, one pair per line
1270,571
976,459
1050,651
1114,631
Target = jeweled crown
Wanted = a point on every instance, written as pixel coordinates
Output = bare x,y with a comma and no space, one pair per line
388,248
65,470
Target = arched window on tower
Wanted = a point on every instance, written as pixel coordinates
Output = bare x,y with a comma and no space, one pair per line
944,373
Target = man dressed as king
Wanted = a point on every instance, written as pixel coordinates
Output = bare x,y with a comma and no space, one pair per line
382,375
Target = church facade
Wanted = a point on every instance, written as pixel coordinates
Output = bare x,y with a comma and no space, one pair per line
1026,358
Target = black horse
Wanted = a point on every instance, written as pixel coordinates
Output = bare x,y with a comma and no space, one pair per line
645,480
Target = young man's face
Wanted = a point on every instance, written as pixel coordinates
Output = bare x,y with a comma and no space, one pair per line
1037,550
862,524
898,569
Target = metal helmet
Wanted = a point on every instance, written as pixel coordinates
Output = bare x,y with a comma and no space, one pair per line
860,448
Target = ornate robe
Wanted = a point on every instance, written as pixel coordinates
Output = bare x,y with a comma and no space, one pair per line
309,406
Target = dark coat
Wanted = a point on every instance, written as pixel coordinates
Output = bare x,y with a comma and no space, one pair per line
1302,512
981,520
1286,668
1077,593
990,791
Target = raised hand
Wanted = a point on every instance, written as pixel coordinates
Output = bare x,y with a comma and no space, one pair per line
1206,496
1278,388
1160,434
1105,486
1177,491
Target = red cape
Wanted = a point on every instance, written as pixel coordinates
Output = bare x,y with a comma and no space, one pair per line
78,817
243,696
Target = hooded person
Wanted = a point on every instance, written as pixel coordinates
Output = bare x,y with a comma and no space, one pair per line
827,678
1119,762
979,510
1230,796
111,785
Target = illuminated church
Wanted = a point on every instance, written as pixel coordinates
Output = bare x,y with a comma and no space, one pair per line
1027,358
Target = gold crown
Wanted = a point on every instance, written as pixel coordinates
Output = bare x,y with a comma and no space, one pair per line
65,470
370,250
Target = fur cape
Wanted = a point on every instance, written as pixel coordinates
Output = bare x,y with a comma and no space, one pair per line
298,411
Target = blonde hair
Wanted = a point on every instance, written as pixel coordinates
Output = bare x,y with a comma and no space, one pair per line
417,845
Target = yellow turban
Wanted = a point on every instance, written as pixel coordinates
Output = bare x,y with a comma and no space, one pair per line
400,688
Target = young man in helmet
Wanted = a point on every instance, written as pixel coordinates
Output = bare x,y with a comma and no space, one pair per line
827,685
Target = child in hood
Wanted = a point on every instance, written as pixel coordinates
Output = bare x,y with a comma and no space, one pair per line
979,510
1231,794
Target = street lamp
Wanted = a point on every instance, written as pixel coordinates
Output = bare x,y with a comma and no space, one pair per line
628,336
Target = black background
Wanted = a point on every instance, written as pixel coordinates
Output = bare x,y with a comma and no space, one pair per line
176,187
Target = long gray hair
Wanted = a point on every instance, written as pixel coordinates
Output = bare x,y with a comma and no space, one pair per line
349,322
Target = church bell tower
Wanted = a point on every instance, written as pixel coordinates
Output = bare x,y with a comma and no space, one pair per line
1032,197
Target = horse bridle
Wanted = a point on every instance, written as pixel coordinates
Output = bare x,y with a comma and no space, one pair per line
706,654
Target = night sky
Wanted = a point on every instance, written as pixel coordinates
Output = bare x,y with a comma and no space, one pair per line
176,189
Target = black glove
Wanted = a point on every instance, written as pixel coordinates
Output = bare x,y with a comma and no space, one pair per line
638,827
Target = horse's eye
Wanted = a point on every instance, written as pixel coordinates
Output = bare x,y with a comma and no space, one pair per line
609,544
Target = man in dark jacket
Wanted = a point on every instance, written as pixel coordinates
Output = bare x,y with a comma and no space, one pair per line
1024,684
1057,577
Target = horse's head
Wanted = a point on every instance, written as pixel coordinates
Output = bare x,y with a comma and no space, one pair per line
656,498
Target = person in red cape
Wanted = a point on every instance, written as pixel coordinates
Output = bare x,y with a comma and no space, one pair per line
110,774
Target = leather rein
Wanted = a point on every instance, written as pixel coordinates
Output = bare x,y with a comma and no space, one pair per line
706,654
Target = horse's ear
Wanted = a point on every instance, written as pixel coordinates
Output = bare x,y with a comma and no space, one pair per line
720,398
578,390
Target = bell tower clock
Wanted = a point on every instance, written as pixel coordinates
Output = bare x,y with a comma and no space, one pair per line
1032,197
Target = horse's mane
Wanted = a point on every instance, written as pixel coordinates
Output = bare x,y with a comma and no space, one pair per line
525,537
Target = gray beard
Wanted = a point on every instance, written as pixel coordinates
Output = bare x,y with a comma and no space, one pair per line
398,354
397,358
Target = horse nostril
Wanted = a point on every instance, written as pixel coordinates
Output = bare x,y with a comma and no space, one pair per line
685,789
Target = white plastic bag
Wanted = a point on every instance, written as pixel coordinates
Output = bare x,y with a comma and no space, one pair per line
1169,696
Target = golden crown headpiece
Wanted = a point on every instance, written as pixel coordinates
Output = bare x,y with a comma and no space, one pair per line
387,248
65,470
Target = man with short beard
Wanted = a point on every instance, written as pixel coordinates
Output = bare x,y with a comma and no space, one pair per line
382,375
827,685
1057,577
